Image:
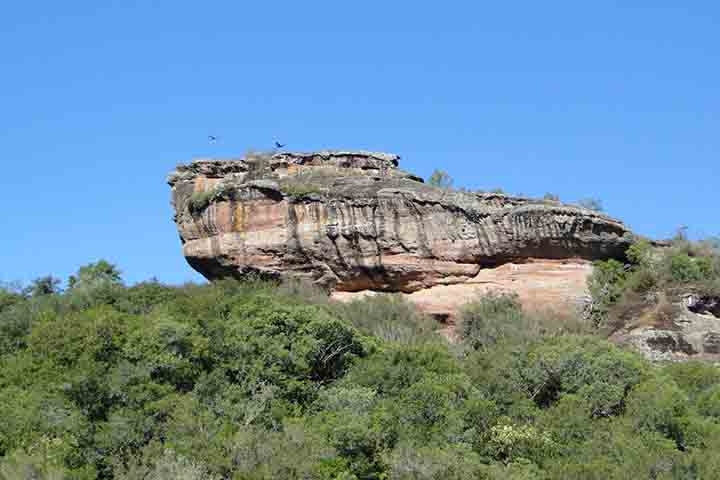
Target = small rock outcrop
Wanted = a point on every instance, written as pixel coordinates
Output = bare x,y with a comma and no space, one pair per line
355,222
691,331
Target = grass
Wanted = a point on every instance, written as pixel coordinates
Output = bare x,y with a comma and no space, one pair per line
307,182
199,201
299,189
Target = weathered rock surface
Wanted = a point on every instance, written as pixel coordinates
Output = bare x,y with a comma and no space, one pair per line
541,284
354,222
692,333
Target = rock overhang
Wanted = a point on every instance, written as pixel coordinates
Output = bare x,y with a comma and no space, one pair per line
352,220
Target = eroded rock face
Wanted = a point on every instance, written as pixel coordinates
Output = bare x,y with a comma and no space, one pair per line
542,285
702,304
352,221
692,333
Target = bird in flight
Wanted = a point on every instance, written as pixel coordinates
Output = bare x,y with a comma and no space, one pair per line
212,138
279,145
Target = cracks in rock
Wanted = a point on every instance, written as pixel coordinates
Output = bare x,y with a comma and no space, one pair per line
369,221
378,250
295,236
424,249
396,230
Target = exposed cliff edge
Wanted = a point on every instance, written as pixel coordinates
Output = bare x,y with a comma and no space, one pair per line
353,221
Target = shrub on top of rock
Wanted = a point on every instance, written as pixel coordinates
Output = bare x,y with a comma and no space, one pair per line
652,276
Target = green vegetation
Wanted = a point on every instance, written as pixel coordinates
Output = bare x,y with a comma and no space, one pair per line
43,286
308,182
591,204
9,296
441,179
498,318
199,201
652,280
258,164
298,188
390,318
492,319
254,380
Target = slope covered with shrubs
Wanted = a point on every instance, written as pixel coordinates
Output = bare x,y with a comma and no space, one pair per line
261,381
650,285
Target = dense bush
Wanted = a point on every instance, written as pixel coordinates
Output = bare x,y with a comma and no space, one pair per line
261,381
200,200
491,319
390,318
307,182
8,297
591,204
441,179
499,318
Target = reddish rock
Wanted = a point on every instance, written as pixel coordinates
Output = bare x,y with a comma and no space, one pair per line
353,222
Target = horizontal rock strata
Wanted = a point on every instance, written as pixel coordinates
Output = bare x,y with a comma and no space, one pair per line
353,222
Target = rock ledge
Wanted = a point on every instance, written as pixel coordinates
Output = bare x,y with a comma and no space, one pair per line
353,221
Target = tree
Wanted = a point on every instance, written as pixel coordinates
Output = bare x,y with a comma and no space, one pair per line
713,244
429,462
658,404
591,204
9,295
551,197
251,381
47,285
441,179
389,317
168,465
95,274
606,285
491,319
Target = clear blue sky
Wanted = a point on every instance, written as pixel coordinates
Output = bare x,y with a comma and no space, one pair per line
100,99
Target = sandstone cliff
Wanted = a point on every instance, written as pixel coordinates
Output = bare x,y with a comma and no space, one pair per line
355,222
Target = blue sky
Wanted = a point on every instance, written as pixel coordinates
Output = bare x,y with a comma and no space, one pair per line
100,99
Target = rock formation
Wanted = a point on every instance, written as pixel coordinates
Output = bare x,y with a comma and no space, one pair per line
691,330
354,222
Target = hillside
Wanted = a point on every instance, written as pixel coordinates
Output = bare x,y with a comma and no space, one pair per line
263,381
355,225
363,325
